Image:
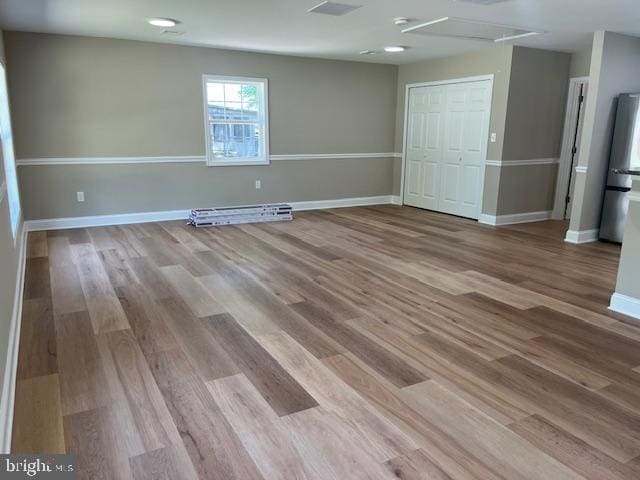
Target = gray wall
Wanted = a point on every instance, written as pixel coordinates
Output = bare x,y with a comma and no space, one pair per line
615,69
9,251
533,129
133,188
581,63
93,97
629,272
526,189
535,108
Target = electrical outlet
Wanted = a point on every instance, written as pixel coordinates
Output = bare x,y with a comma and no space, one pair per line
494,137
258,184
80,196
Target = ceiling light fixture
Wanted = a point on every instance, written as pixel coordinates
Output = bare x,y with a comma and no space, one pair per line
368,52
395,49
400,21
163,22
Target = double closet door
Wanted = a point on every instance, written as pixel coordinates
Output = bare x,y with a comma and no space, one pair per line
446,147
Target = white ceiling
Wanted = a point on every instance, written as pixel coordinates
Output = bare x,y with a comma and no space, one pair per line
283,26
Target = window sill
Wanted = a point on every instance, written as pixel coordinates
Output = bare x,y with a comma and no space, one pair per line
238,162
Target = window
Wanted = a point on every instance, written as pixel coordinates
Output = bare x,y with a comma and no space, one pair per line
236,120
6,139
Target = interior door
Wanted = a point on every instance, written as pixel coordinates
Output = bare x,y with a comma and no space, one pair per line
575,157
448,129
453,148
424,147
473,148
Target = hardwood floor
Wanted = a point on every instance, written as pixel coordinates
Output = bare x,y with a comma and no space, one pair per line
363,343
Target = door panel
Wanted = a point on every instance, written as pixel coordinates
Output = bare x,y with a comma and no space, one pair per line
416,135
413,177
471,177
429,185
424,147
433,132
476,133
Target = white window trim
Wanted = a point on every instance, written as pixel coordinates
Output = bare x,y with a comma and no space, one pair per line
11,171
211,160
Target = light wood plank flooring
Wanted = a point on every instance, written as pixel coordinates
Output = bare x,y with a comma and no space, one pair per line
364,343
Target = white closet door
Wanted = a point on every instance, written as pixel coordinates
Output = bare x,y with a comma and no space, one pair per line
424,147
453,148
472,146
448,130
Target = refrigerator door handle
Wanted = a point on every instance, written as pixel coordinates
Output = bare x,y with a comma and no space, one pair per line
623,171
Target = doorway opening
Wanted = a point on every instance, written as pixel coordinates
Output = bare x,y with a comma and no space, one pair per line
570,155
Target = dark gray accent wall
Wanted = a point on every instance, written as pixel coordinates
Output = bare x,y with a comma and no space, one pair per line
535,108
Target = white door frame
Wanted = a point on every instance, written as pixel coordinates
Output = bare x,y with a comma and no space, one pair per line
568,136
408,87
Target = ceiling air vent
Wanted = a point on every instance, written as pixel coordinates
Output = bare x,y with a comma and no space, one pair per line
484,2
470,29
333,8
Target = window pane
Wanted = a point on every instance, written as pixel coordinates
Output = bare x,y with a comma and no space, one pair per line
235,140
232,92
250,112
6,138
215,92
216,110
233,110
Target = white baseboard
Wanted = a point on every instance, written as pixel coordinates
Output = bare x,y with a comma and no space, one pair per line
625,305
11,367
514,218
397,200
583,236
125,218
341,203
104,220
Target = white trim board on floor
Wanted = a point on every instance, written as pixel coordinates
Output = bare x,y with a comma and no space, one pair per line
126,218
584,236
11,366
515,218
626,305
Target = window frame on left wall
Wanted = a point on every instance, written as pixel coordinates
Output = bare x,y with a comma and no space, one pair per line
263,121
10,180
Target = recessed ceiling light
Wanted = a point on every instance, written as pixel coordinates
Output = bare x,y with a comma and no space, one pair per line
163,22
400,21
395,49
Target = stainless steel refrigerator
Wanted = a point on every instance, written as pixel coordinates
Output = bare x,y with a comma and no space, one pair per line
625,155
